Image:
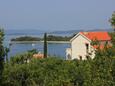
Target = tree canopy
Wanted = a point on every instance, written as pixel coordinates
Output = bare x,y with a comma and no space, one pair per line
112,20
3,53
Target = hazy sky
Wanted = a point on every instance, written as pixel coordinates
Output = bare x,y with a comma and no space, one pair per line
56,14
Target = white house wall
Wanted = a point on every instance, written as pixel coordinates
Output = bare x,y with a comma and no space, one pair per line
79,48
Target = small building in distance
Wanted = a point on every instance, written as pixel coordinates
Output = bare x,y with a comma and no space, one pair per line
38,56
81,47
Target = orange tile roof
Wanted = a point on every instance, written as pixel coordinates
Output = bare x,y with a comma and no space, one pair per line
100,36
38,55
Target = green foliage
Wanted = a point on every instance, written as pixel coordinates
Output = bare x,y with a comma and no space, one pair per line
45,45
95,42
112,20
23,58
46,72
113,38
3,53
57,72
33,51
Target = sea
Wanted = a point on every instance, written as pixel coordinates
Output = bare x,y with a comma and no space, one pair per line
54,49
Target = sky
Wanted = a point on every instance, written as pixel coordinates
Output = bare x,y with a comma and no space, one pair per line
56,14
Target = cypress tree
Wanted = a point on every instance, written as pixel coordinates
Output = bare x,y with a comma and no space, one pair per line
45,45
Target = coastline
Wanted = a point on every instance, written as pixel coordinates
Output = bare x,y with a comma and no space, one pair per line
27,42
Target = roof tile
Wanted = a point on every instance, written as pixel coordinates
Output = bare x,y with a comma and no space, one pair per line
100,36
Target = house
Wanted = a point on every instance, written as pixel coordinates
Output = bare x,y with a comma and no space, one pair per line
81,47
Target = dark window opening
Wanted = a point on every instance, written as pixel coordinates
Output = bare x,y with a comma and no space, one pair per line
80,57
87,57
87,47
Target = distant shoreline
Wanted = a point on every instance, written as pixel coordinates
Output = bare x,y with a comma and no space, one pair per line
50,39
27,42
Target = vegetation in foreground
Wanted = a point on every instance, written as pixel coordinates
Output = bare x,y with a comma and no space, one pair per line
58,72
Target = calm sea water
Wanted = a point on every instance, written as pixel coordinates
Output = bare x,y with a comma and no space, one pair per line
54,49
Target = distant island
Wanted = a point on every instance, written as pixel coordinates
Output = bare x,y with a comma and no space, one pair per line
26,38
49,38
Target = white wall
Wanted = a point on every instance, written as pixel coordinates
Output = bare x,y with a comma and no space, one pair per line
68,54
79,48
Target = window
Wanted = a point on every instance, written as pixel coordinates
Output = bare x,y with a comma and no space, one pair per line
80,57
87,56
87,47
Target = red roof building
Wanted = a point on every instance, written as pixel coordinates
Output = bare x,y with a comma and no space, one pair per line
100,36
82,44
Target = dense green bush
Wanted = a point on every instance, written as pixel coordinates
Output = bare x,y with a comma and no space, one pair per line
58,72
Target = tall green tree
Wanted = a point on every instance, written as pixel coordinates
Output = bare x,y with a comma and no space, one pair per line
2,53
45,45
112,21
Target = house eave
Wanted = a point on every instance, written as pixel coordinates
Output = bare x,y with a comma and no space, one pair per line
78,35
